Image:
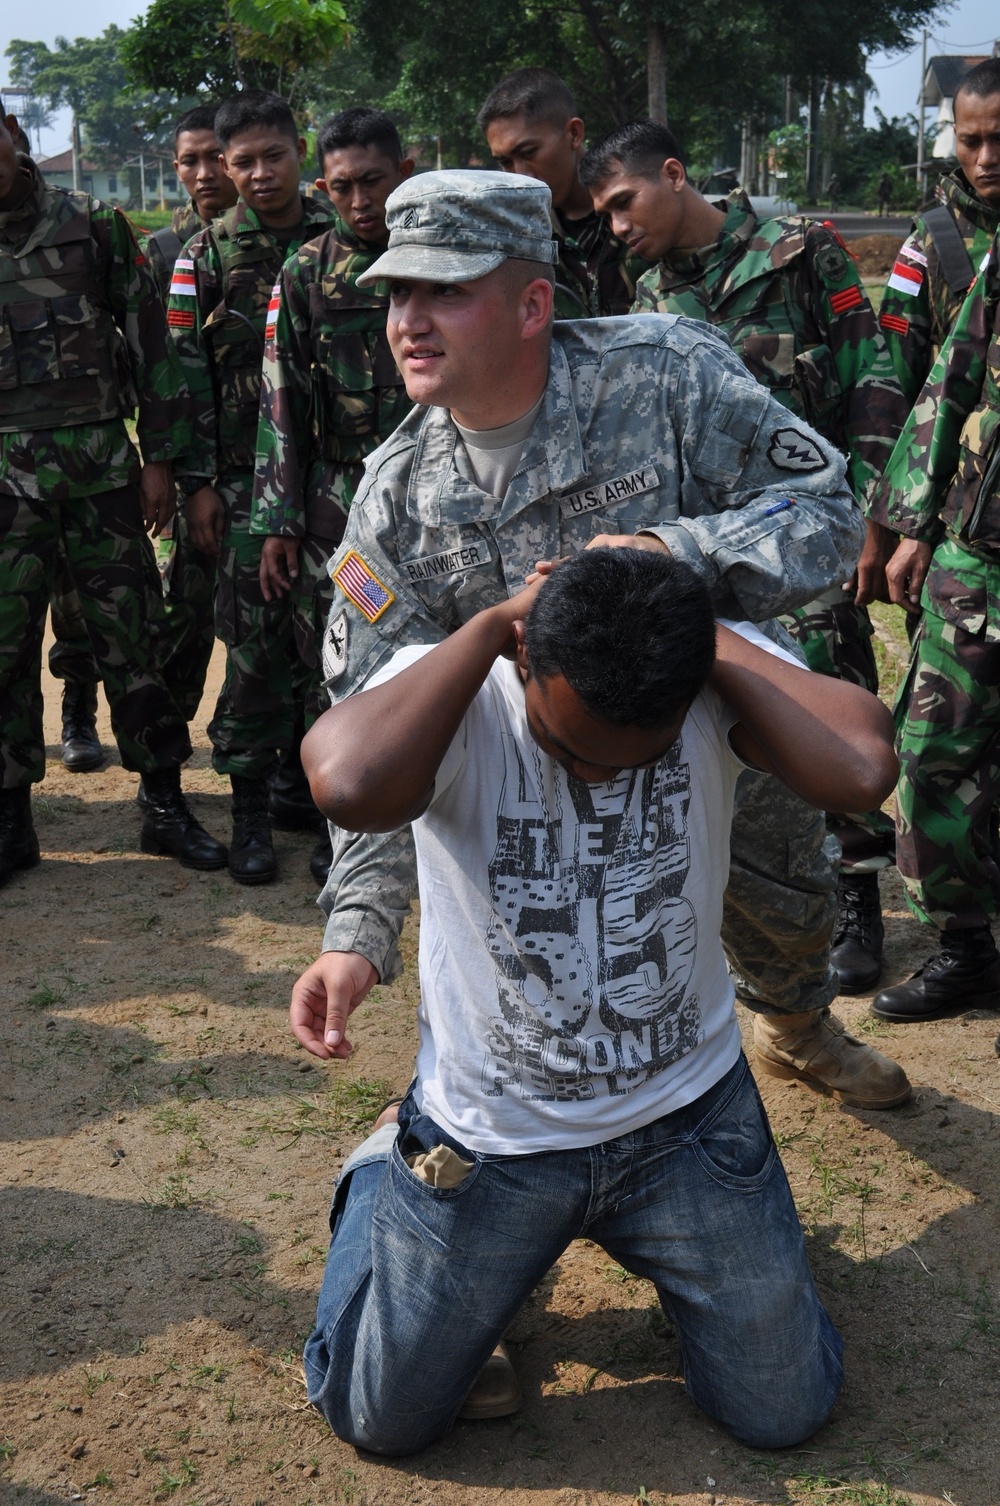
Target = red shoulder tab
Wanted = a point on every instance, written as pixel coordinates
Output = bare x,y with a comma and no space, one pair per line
829,225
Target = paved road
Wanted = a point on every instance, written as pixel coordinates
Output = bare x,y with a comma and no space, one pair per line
853,225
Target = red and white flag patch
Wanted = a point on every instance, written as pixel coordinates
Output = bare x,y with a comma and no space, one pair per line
182,281
906,278
272,312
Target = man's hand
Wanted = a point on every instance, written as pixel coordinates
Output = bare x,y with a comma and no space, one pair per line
906,571
648,541
868,581
205,514
323,998
157,495
279,566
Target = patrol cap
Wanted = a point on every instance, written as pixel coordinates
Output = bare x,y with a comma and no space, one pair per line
457,225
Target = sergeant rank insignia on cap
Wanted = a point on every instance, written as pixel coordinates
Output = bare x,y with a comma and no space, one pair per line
363,587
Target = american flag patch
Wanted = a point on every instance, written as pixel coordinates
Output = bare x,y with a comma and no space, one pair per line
361,586
182,281
180,318
272,311
906,279
847,298
895,322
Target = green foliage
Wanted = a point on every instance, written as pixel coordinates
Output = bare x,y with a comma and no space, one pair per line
788,154
183,46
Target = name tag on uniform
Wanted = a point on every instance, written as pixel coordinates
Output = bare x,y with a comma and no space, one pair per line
607,493
448,562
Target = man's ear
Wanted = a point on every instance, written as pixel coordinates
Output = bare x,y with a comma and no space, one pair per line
406,168
521,650
673,173
320,185
538,298
575,130
302,148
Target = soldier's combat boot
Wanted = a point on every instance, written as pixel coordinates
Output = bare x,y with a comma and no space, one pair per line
964,974
82,751
289,802
18,843
814,1048
251,853
322,857
169,828
857,942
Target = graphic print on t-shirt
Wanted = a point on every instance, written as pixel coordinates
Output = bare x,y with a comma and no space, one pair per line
597,878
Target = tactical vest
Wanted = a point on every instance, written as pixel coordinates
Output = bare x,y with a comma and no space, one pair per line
972,511
62,358
357,394
774,336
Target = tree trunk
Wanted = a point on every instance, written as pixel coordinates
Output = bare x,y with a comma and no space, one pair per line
656,71
812,160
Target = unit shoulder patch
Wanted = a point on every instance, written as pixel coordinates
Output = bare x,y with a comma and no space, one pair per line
791,450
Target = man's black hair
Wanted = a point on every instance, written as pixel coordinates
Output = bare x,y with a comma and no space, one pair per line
631,631
359,126
535,93
253,108
982,81
641,147
201,118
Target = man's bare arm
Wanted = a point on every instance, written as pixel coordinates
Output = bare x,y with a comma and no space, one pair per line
831,742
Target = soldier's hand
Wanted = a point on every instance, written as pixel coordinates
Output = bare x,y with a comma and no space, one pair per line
279,566
629,541
157,495
205,515
868,581
323,998
906,571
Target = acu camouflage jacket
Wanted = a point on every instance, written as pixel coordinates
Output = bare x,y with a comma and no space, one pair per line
647,424
219,297
944,475
331,391
918,307
83,341
789,298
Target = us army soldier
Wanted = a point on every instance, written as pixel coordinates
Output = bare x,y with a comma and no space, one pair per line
522,449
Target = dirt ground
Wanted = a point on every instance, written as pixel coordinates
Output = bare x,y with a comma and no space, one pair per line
875,254
165,1182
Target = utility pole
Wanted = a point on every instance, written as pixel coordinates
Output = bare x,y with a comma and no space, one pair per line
142,181
75,141
163,201
921,176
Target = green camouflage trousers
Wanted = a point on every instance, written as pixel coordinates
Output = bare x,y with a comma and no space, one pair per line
106,548
181,614
835,634
948,730
254,716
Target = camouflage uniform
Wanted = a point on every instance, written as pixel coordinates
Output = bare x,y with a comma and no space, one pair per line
181,578
700,456
330,394
790,300
217,313
942,486
918,306
82,340
596,273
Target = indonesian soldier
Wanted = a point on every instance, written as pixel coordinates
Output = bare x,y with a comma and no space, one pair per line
941,492
532,127
788,296
939,259
218,308
331,393
528,443
83,341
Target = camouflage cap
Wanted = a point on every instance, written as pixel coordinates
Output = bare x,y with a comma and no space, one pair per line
458,225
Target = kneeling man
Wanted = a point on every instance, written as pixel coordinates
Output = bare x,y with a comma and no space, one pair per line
568,760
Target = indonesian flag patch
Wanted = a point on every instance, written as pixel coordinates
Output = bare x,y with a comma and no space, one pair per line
182,281
362,586
272,312
905,278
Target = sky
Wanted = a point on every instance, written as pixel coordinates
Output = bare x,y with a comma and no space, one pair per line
968,26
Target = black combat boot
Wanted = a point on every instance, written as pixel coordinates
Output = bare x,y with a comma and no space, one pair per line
322,857
856,952
251,853
289,801
169,827
18,843
965,974
82,751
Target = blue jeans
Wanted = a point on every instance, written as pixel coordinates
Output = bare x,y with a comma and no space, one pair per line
421,1282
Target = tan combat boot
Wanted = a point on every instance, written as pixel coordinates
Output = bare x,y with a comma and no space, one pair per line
496,1392
814,1048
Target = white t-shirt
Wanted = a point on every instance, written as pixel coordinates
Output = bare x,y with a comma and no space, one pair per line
573,984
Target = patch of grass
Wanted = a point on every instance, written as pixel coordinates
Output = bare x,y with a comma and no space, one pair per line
102,1478
176,1192
174,1120
187,1474
347,1106
92,1379
851,1492
8,1448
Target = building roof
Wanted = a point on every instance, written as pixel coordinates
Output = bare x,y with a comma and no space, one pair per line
944,74
63,163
